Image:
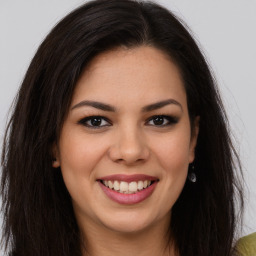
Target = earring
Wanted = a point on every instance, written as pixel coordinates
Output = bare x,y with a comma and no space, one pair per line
55,163
192,175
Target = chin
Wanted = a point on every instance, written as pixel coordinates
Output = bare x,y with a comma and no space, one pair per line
133,222
128,227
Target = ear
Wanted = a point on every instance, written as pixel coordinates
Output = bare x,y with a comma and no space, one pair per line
194,136
55,154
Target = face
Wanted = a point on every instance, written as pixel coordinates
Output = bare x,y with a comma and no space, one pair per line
126,143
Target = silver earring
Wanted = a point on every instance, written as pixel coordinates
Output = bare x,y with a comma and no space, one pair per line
192,175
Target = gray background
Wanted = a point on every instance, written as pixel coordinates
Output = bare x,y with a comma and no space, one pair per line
226,30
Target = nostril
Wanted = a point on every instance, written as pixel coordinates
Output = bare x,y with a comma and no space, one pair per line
128,151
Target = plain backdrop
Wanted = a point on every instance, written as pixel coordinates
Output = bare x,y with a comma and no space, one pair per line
226,30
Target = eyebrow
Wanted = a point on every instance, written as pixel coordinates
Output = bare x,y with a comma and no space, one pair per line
161,104
106,107
95,104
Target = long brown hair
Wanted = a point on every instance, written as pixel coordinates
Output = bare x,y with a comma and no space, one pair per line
37,209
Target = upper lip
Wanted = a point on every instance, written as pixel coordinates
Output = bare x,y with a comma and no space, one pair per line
128,178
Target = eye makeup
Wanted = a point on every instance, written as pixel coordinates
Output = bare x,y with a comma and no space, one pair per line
98,121
95,122
162,120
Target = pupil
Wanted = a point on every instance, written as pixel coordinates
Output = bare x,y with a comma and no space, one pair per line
158,120
96,121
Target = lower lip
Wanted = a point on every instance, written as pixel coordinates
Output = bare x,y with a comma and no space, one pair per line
128,198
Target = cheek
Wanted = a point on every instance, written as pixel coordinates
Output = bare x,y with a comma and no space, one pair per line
80,153
173,152
175,163
79,158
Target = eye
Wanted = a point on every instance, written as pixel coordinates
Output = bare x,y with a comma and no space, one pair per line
162,120
95,122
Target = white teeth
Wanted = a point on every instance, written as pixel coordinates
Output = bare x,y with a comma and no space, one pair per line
116,185
140,185
110,184
125,187
133,187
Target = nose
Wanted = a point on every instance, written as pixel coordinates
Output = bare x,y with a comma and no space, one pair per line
129,147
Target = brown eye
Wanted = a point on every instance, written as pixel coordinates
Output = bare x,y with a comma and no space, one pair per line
158,120
94,122
162,120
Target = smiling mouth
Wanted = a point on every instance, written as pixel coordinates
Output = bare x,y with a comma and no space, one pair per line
124,187
128,189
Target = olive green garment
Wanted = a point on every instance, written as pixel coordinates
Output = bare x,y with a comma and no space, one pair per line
246,246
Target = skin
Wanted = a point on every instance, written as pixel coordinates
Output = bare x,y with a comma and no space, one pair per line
129,142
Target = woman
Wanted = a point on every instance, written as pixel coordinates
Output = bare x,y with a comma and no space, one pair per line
118,142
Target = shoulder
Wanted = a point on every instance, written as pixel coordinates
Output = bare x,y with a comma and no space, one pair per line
246,246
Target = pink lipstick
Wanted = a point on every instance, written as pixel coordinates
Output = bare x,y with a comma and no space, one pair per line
128,189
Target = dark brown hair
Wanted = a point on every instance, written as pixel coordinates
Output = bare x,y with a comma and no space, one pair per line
37,209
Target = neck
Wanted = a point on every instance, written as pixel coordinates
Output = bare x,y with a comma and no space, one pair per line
152,241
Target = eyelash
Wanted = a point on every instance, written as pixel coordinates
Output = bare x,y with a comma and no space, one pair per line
85,121
167,121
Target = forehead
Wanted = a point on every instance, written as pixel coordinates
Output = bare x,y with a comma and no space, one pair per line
142,73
